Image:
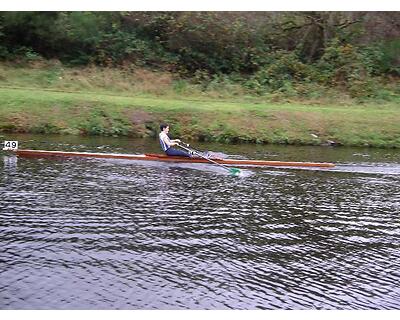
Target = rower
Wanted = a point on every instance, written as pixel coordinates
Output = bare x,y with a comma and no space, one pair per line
167,144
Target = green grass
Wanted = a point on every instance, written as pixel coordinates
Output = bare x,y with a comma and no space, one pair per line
40,111
38,101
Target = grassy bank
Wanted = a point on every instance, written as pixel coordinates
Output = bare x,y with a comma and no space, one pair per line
109,102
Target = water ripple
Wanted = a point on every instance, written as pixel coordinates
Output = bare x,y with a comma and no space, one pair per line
101,234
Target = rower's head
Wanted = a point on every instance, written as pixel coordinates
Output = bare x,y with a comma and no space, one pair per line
164,127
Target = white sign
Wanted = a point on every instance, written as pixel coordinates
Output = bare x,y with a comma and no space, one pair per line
10,145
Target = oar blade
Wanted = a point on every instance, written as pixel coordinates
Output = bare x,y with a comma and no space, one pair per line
234,171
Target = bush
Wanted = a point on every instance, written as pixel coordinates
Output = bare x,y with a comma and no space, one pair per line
383,57
120,47
341,64
4,53
180,86
23,55
45,128
284,69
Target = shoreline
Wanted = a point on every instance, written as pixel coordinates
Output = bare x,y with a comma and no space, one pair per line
52,111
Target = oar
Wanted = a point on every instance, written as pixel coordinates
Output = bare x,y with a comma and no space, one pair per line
232,171
190,147
199,151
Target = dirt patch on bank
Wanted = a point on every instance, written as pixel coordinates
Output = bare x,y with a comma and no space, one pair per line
143,123
20,123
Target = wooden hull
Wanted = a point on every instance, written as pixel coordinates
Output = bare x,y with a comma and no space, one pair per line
160,157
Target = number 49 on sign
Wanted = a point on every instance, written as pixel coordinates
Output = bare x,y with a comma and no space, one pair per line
10,145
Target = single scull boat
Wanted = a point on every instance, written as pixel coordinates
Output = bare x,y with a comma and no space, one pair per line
161,157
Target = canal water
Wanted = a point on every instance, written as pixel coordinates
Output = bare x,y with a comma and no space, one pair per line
115,234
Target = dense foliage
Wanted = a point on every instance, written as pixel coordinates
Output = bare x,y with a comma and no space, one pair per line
262,51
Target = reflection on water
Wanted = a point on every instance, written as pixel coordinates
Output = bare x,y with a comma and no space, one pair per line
116,234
